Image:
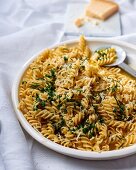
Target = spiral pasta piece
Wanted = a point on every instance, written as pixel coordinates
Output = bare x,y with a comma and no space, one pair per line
105,56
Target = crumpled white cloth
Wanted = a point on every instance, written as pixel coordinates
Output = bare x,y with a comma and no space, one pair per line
28,26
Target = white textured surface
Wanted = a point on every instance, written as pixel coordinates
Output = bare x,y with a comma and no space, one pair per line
26,26
110,27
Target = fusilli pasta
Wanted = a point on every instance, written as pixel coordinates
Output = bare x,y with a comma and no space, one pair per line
71,98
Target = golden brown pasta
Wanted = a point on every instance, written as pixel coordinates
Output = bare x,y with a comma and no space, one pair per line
73,100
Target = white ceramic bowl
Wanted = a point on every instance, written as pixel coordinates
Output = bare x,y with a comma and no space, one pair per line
90,155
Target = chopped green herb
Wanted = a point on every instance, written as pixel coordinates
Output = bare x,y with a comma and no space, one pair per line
50,89
101,120
65,58
63,123
92,126
35,107
115,110
48,75
59,106
42,103
91,134
52,74
41,78
64,110
37,98
23,82
85,130
42,90
79,126
58,125
122,108
58,96
68,99
120,114
80,90
70,65
73,130
129,118
95,108
34,85
121,117
114,88
77,103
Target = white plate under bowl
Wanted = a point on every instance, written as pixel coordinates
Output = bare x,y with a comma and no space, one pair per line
94,43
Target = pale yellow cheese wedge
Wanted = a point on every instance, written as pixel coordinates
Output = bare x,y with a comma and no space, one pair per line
101,9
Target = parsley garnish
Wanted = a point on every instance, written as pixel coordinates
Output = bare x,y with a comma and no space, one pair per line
101,120
37,98
52,74
80,90
79,126
23,82
35,108
50,90
65,58
85,130
59,106
40,104
58,125
122,108
114,88
34,85
91,134
115,110
120,112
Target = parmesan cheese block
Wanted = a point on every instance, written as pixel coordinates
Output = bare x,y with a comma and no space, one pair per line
101,9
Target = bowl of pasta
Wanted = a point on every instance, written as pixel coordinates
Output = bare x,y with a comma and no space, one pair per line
68,99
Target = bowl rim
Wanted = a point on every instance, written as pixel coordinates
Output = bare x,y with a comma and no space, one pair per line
89,155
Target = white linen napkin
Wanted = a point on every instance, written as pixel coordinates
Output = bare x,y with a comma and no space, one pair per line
19,151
